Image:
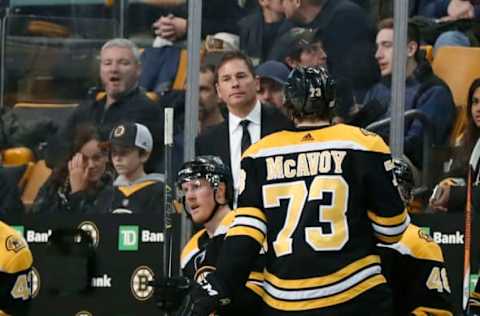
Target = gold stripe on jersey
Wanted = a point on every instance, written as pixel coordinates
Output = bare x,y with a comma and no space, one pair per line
308,304
256,288
247,232
3,314
251,211
390,231
337,136
428,311
13,260
420,246
131,189
335,277
191,248
256,276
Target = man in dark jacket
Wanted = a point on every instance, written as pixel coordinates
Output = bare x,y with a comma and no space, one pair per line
248,119
123,101
345,43
261,28
424,92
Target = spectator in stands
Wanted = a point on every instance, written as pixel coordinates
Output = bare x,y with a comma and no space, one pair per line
424,92
350,46
209,108
272,76
123,101
248,119
299,47
217,16
76,185
260,29
134,191
450,193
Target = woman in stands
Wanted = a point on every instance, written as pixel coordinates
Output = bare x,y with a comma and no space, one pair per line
450,193
77,184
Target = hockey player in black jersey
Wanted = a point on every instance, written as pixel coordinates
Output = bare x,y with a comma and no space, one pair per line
205,189
15,273
322,197
414,267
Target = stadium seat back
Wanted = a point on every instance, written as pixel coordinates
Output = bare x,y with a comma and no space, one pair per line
35,178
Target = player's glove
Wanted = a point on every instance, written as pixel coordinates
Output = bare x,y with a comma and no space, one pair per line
473,307
171,292
206,296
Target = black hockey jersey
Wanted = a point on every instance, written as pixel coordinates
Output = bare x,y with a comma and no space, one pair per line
199,257
415,270
143,197
322,198
15,272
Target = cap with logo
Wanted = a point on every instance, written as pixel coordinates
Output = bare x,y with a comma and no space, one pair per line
132,135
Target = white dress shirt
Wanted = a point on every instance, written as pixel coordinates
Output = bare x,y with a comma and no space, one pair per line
236,132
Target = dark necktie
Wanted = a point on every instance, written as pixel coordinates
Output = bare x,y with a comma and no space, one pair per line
246,140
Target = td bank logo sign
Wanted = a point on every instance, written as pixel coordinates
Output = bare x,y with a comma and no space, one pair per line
456,238
129,237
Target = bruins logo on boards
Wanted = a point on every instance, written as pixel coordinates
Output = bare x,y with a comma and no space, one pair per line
139,283
92,230
14,243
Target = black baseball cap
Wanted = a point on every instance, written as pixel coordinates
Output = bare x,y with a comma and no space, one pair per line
292,43
131,135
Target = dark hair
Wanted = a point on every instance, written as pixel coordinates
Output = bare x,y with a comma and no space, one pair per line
472,132
413,34
207,68
82,135
232,56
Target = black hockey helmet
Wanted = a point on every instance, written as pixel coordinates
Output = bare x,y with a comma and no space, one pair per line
405,180
210,168
310,90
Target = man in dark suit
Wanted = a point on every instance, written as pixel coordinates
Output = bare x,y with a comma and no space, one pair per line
248,120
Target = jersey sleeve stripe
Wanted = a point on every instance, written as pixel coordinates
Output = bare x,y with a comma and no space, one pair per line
252,212
388,221
392,230
256,276
422,311
251,222
305,302
335,277
247,232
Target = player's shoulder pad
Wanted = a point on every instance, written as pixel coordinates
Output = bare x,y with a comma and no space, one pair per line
225,224
339,136
191,248
421,245
15,255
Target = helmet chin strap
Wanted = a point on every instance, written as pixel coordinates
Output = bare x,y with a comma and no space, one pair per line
215,209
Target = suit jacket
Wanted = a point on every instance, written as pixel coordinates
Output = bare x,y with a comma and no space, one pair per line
216,139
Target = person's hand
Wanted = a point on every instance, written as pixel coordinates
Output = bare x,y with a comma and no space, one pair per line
78,173
170,27
206,296
441,195
460,9
171,292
